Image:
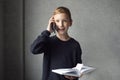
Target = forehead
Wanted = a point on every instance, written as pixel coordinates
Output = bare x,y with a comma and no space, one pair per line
61,16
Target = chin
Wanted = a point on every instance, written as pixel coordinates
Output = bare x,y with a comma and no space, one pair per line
62,32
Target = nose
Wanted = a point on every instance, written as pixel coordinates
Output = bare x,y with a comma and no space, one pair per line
61,24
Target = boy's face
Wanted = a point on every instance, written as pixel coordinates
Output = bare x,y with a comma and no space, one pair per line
63,22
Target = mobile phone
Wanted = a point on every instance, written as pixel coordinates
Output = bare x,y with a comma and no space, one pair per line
54,27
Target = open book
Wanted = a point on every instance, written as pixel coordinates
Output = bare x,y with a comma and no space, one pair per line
75,71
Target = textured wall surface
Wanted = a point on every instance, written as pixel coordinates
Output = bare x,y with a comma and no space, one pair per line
96,25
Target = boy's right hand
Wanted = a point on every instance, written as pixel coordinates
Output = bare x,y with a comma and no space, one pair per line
49,27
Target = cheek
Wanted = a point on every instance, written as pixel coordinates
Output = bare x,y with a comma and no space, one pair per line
57,24
68,25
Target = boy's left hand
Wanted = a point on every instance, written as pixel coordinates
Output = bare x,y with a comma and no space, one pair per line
70,77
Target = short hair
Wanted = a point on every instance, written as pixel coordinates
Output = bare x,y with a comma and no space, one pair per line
62,9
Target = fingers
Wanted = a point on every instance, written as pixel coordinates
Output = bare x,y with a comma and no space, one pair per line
51,20
70,77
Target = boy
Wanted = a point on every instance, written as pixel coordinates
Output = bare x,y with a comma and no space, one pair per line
60,50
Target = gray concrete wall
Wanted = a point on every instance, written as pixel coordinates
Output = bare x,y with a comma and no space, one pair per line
1,39
13,40
96,25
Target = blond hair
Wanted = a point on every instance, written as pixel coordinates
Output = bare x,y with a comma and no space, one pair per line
63,10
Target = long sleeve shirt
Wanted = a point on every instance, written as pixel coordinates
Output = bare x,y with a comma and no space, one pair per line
57,54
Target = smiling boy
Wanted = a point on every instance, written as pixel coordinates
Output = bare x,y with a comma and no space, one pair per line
60,50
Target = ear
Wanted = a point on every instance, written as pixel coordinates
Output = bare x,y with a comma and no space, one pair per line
71,22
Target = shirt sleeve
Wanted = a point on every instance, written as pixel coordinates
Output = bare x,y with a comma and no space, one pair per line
79,54
40,43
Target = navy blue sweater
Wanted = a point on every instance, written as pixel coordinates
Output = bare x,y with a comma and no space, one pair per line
57,54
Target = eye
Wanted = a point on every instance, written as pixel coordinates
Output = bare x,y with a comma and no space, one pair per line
65,20
57,20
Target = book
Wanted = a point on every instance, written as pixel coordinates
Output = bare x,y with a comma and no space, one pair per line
75,71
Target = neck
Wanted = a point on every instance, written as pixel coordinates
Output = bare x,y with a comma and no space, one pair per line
63,37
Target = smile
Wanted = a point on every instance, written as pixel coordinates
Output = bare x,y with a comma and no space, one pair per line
61,29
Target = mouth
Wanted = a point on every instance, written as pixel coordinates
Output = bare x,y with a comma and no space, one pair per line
61,29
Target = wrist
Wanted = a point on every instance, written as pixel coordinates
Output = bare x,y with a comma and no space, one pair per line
48,29
46,33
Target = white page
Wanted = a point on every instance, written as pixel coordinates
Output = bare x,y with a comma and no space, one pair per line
75,71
